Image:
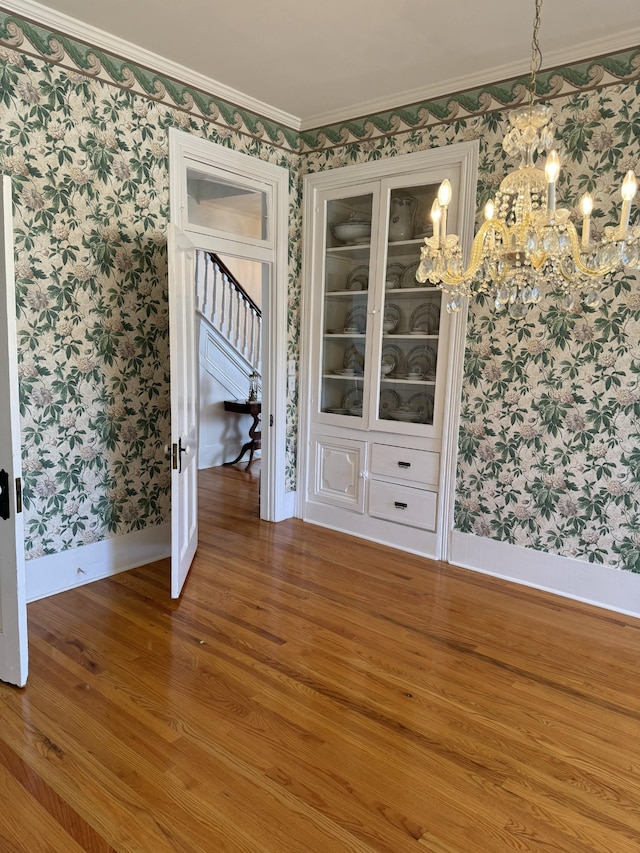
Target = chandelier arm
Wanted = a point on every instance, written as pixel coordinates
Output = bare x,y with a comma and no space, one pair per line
491,226
577,256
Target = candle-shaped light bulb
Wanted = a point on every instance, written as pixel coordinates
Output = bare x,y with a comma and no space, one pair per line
444,197
489,210
628,191
629,186
436,214
586,206
551,172
444,193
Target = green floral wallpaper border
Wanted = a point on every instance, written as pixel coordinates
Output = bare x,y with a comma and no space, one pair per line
604,71
19,33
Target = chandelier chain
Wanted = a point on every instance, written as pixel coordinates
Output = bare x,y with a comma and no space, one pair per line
536,53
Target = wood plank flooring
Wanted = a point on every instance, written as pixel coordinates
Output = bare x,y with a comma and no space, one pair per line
313,693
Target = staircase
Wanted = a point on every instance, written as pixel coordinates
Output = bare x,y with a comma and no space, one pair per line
230,328
227,307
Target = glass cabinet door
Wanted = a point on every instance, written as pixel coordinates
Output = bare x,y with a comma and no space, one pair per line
411,313
347,281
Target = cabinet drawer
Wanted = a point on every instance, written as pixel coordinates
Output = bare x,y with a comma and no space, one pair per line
404,463
404,504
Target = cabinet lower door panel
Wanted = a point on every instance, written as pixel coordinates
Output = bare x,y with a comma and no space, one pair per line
338,466
404,504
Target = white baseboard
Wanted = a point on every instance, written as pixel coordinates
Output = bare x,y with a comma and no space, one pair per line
288,505
591,583
59,572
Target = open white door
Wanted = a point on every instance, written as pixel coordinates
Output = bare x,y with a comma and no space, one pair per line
13,607
184,406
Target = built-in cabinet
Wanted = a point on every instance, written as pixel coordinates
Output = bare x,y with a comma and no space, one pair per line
376,351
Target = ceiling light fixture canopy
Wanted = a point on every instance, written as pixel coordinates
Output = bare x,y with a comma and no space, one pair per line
526,243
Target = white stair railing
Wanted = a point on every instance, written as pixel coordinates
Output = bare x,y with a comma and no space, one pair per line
221,299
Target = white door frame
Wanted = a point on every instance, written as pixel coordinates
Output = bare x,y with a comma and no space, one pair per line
184,149
13,607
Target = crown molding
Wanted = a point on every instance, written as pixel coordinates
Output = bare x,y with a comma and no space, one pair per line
92,36
580,53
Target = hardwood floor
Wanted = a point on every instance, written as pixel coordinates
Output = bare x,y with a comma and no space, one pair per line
318,694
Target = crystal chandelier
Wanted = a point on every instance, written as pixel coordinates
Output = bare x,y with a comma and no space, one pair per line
526,244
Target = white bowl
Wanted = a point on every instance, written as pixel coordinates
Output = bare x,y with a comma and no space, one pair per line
352,232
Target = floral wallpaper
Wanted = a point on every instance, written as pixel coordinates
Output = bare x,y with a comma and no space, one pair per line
89,167
550,425
549,442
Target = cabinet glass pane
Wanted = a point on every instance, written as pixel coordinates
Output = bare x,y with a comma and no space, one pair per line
411,318
346,289
219,204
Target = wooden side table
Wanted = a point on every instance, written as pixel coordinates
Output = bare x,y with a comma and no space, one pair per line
253,408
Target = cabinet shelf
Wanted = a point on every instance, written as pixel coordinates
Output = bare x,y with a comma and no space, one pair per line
410,336
391,380
359,251
343,378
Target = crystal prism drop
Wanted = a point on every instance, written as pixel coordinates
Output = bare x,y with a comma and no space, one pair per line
609,256
571,302
517,311
550,243
592,299
531,242
630,255
424,270
454,304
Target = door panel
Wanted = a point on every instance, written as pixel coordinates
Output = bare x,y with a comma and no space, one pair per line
184,406
13,608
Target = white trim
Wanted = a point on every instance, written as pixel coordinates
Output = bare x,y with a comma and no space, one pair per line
466,204
77,566
289,505
591,583
140,56
625,40
182,147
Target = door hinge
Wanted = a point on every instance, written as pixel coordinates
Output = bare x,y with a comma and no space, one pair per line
5,508
174,457
270,420
18,495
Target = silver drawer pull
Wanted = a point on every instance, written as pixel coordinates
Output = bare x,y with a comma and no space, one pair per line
404,464
400,505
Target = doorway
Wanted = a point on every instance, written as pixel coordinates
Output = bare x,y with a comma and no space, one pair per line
236,205
229,300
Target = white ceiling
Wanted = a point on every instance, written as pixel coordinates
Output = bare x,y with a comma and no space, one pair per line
313,63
